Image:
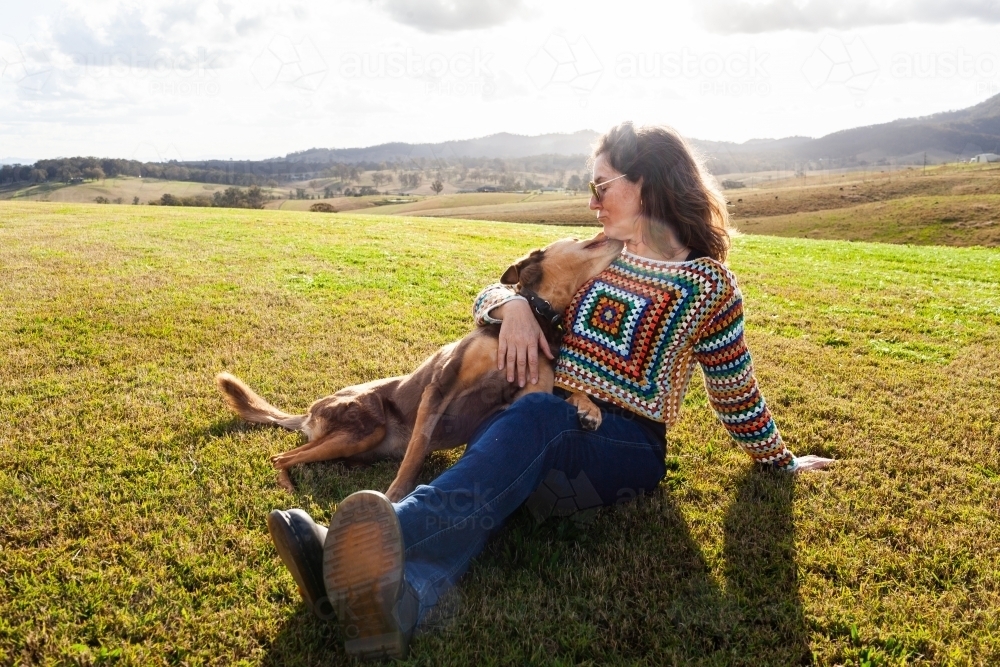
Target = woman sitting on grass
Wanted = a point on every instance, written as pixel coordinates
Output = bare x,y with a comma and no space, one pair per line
633,337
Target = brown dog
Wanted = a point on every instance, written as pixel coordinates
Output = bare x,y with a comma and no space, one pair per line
440,404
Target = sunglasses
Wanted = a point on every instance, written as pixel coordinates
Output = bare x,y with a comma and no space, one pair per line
598,193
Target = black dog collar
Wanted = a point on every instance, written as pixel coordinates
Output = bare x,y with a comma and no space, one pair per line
542,308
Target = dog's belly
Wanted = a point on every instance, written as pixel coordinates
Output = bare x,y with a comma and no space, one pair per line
468,411
393,445
458,423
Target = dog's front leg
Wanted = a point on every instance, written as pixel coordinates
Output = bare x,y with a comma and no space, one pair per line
546,380
433,403
336,445
588,413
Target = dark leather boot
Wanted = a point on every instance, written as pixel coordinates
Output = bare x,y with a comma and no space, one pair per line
363,569
299,541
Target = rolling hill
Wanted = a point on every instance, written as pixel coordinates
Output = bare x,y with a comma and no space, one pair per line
503,145
945,137
951,136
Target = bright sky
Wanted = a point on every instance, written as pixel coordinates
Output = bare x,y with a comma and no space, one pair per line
191,79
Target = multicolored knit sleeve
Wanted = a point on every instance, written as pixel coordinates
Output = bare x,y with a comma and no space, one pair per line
732,388
491,297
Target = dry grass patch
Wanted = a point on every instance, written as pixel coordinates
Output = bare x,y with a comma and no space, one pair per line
961,220
124,188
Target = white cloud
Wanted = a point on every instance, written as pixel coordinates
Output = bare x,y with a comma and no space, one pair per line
124,31
452,15
196,33
273,78
742,16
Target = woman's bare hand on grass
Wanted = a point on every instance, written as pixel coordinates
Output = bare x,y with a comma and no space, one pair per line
520,339
811,462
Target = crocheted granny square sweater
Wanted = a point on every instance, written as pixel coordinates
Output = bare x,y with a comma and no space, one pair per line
636,331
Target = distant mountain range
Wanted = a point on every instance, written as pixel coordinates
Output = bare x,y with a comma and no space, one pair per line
503,145
944,137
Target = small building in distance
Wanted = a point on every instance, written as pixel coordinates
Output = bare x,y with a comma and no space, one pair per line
986,157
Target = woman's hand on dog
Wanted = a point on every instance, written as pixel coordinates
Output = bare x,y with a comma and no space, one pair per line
520,338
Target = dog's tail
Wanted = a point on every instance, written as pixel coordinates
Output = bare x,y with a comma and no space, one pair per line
247,404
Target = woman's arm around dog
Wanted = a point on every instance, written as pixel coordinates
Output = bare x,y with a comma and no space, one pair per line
520,335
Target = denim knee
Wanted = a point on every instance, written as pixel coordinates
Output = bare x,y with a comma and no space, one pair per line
540,417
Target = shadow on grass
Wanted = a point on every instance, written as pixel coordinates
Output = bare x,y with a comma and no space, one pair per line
761,573
306,640
633,586
229,424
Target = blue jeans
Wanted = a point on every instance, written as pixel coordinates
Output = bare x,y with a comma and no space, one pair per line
533,451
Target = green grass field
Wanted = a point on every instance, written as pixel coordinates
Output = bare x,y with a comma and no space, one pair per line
132,503
953,204
146,189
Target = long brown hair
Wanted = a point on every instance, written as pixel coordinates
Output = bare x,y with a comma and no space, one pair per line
676,189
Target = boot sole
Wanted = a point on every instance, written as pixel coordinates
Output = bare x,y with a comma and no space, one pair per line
286,543
363,571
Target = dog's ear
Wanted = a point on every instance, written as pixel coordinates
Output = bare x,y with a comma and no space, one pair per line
512,274
515,272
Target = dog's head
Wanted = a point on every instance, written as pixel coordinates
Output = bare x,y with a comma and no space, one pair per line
558,271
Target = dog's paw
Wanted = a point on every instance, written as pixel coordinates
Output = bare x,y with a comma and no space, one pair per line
586,411
590,420
285,481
